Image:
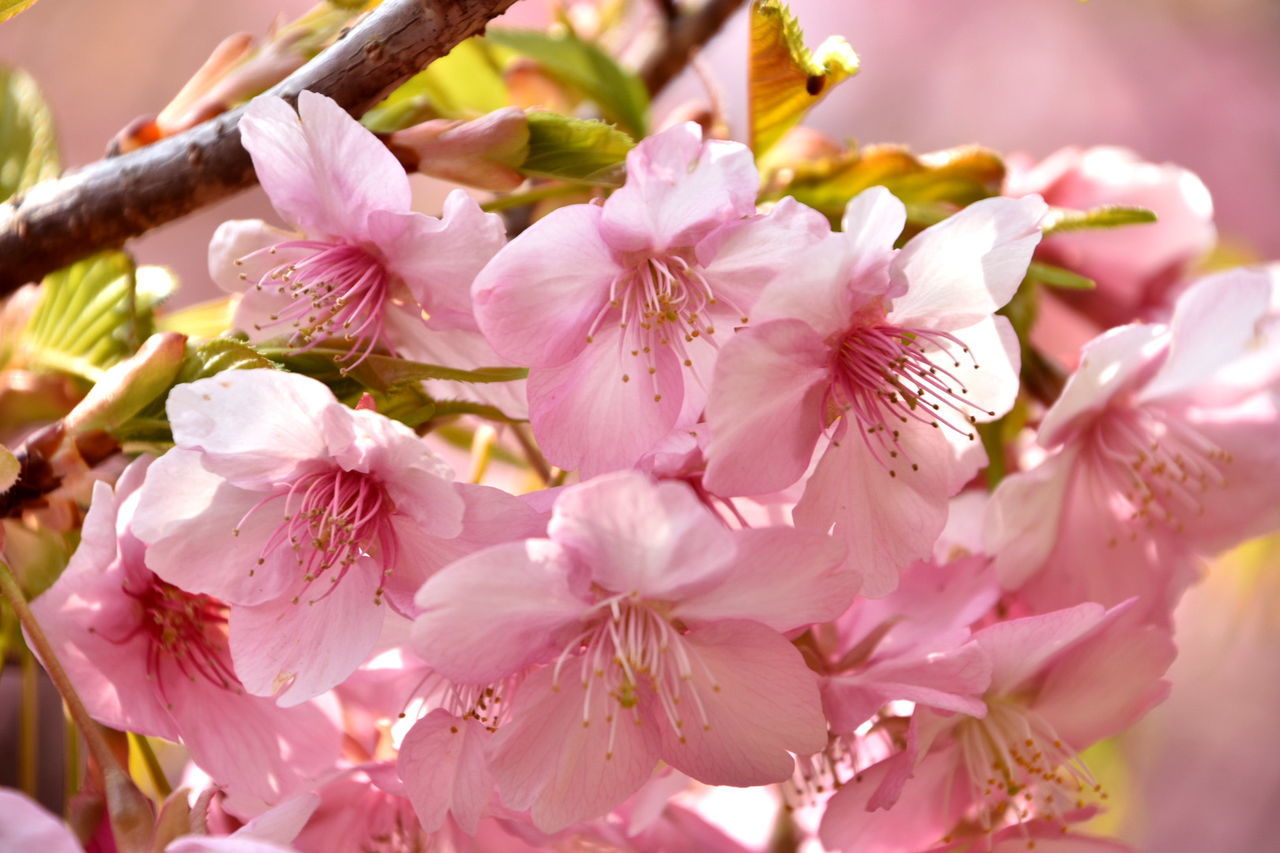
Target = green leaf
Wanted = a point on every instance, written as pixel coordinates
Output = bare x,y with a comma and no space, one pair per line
785,80
1055,276
575,149
584,67
465,84
9,8
1109,216
381,372
212,357
28,152
90,316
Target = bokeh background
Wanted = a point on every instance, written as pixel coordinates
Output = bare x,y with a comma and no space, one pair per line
1196,82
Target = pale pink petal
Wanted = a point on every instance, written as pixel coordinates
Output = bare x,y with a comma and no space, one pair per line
765,408
442,763
283,823
678,189
282,435
961,270
546,757
25,826
817,291
739,259
887,520
1018,648
230,264
295,650
1023,518
223,844
603,410
872,222
780,577
988,370
756,702
320,168
189,518
1111,362
537,299
439,258
497,611
1107,683
1215,322
458,348
656,540
269,752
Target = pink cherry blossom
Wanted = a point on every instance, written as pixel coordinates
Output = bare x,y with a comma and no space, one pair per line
649,631
1163,448
148,657
1059,682
891,356
361,265
618,308
1135,266
305,517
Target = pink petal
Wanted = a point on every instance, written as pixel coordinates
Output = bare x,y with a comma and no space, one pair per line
25,826
1019,648
439,258
888,521
817,292
457,348
588,418
496,612
282,435
443,765
780,577
872,222
989,370
961,270
761,703
188,516
655,540
678,189
232,243
765,409
1024,516
547,758
320,168
297,650
1215,322
223,844
538,297
1110,362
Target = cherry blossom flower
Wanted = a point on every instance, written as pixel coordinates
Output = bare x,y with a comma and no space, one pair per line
1059,682
361,265
151,658
1164,447
305,517
891,355
618,308
648,631
1135,266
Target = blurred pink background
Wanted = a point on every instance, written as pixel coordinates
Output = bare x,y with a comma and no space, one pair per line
1189,81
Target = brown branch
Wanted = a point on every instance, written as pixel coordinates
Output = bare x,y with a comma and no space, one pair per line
685,34
104,204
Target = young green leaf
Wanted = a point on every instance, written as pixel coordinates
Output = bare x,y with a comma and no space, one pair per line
586,68
465,84
574,149
1055,276
1108,216
28,152
785,80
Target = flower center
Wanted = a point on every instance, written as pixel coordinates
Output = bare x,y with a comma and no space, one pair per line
336,291
886,376
185,629
332,518
1020,768
1158,468
663,301
634,647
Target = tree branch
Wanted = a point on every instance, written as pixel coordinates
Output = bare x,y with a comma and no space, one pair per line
685,34
104,204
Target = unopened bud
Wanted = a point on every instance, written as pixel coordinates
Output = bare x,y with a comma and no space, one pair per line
128,387
480,153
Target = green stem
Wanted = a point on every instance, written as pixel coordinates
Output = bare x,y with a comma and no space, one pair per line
131,813
154,770
74,767
507,202
29,726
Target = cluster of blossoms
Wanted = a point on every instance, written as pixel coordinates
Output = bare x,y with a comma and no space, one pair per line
776,565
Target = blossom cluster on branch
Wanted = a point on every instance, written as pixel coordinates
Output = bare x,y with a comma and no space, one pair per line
800,512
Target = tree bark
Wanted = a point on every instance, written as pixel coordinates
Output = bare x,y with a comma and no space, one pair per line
104,204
